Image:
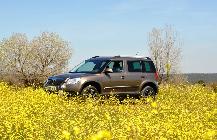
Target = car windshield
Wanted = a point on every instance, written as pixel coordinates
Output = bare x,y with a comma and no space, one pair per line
90,66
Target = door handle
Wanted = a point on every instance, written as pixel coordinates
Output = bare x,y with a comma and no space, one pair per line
122,77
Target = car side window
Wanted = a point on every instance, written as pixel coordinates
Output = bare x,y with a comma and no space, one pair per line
116,66
148,66
134,66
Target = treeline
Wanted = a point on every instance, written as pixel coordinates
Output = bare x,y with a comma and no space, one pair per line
26,62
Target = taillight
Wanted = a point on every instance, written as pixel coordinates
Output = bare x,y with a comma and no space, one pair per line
156,76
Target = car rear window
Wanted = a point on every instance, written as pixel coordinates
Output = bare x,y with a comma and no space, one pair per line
148,66
141,66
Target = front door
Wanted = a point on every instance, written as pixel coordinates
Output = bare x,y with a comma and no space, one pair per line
114,82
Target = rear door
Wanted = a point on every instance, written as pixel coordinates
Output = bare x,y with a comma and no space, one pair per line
134,75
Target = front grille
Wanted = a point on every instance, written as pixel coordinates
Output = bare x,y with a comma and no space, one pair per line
54,82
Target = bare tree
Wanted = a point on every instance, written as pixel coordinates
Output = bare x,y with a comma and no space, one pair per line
164,45
15,52
155,43
32,61
51,54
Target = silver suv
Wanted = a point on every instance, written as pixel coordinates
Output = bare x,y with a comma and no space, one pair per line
106,75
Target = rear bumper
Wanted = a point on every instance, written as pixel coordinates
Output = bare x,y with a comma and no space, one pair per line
157,87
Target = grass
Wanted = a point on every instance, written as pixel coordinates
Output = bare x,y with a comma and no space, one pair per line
179,112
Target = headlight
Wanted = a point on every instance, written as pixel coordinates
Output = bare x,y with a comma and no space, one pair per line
72,81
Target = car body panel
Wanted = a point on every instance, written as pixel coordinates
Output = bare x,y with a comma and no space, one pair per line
116,82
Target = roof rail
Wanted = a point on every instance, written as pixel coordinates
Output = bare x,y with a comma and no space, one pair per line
117,56
148,58
136,56
95,56
142,57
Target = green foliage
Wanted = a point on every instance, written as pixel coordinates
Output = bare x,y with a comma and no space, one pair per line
214,87
201,82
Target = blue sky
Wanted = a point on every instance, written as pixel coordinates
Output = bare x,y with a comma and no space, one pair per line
113,27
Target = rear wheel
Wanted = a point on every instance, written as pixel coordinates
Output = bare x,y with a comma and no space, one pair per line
148,91
90,91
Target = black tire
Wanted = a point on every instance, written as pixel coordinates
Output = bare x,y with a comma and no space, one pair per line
148,91
90,91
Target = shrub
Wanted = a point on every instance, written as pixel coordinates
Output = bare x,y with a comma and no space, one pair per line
214,87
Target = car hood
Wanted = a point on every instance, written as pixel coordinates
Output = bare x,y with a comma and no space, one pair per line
69,75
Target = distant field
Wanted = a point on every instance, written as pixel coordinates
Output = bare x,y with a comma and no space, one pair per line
180,112
206,77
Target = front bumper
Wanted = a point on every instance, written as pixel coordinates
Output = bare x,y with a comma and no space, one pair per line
71,87
51,88
63,87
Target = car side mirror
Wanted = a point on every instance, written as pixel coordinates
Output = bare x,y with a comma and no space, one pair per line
108,70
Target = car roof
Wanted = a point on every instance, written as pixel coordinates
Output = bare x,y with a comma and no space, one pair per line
121,57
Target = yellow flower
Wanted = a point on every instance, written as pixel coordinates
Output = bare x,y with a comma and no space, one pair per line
107,115
29,113
76,130
162,138
101,135
128,128
154,111
66,135
149,99
154,104
210,134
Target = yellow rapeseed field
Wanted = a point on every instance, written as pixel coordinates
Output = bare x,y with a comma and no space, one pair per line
179,112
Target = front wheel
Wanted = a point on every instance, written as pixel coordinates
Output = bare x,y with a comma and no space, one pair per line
148,91
90,91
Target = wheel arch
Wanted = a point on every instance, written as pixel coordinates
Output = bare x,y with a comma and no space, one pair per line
92,83
152,84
